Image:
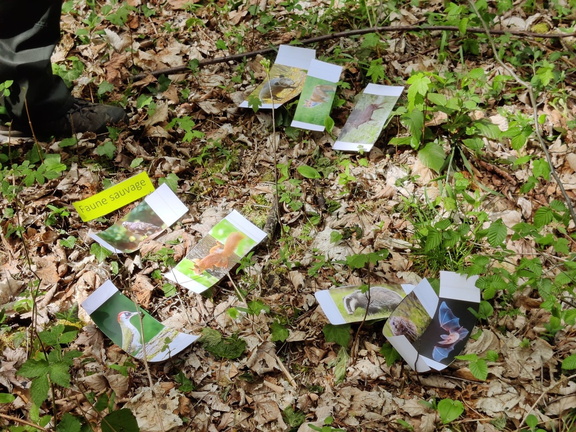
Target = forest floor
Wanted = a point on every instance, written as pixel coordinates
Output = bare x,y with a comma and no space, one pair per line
404,197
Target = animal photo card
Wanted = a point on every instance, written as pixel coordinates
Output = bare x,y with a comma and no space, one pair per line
368,117
132,328
317,96
429,330
149,218
287,76
215,254
349,304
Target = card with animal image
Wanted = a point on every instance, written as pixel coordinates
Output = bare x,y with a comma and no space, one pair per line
317,96
429,330
348,304
215,254
145,221
368,117
286,78
131,327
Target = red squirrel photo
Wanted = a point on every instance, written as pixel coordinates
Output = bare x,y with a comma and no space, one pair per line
219,255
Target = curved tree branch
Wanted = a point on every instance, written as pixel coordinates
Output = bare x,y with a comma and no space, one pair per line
384,29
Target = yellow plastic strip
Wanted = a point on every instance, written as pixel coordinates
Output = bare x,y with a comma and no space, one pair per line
114,197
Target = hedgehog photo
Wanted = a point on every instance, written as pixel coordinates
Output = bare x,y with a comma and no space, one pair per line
376,299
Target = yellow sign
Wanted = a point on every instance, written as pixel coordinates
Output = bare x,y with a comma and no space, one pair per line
114,197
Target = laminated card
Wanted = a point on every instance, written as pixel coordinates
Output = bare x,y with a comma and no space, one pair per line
148,219
286,77
131,327
220,250
317,96
368,117
430,330
349,304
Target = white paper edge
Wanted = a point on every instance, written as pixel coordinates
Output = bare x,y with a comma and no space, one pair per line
382,90
297,57
263,106
326,71
99,297
178,344
244,225
166,204
458,287
427,296
309,126
408,288
329,307
181,279
104,243
407,351
350,146
433,364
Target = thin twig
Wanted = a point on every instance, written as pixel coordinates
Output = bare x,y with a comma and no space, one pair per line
537,129
544,393
381,29
22,421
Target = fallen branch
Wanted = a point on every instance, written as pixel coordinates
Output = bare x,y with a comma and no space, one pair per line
241,56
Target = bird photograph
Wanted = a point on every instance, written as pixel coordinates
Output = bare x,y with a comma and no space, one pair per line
131,341
129,232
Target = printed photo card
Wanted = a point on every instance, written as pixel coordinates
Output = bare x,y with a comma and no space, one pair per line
350,304
287,76
365,123
317,96
220,250
132,328
429,330
147,220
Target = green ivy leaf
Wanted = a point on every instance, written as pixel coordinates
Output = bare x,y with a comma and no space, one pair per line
107,149
449,410
100,252
279,332
339,334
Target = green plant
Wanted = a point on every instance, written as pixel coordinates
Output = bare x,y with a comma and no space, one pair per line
225,347
327,427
